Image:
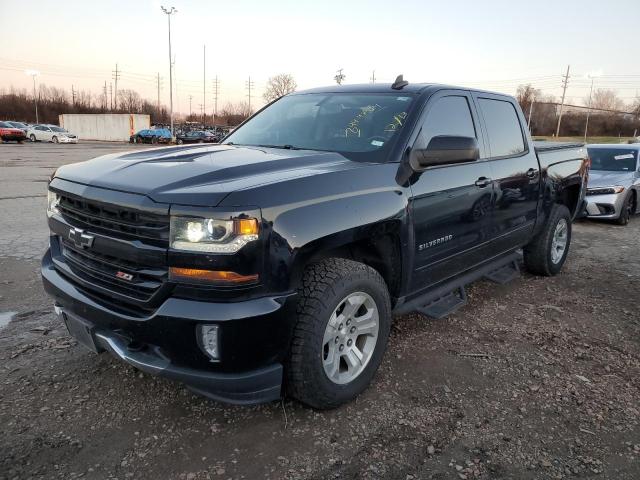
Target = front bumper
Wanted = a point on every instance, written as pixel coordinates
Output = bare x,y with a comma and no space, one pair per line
253,332
67,140
14,138
605,206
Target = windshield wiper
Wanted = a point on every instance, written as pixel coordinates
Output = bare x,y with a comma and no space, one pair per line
285,147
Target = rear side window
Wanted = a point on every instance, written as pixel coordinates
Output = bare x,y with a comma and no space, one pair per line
503,127
449,116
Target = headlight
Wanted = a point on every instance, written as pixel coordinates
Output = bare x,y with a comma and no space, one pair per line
212,235
53,199
605,190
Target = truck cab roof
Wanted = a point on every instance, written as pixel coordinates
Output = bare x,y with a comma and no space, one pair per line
411,88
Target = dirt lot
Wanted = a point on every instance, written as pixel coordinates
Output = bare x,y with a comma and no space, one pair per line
536,379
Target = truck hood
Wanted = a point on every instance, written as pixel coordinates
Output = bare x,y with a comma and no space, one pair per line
603,178
200,175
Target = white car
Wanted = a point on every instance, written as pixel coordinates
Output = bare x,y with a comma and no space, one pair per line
50,133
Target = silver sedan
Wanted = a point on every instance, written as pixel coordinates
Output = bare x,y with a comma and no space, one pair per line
613,191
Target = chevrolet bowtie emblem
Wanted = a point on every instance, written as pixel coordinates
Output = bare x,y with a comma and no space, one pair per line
81,239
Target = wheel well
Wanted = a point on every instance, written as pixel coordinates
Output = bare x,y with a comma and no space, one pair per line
569,197
380,252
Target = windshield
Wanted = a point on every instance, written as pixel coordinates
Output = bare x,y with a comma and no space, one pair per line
57,129
351,124
613,159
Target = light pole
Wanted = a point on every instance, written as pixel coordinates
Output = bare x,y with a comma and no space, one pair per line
169,12
33,74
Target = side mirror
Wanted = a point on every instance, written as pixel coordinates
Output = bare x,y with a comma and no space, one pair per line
444,150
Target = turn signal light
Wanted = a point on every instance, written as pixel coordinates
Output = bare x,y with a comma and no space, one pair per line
246,226
210,276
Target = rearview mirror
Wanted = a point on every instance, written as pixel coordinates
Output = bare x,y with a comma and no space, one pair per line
444,150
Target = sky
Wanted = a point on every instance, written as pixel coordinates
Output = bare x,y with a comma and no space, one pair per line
490,44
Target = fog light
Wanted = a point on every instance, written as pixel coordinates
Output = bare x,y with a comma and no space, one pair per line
209,341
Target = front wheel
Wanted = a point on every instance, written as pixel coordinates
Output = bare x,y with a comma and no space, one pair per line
343,323
627,210
54,139
32,137
547,252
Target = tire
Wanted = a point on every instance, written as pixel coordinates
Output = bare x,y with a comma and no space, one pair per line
627,209
539,256
179,141
32,137
54,139
326,287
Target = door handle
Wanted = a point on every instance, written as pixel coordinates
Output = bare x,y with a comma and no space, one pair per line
532,172
483,182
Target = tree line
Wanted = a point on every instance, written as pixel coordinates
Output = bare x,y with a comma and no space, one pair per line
608,115
18,104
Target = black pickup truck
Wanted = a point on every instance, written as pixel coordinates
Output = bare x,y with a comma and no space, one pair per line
273,262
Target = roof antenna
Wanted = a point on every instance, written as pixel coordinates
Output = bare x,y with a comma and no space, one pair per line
400,83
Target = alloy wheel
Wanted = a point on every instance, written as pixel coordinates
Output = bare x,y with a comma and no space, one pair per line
350,338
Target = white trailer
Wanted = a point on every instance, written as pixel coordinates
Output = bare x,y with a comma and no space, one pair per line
111,127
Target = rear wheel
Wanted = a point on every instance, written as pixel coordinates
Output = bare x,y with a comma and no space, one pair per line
547,252
343,323
54,139
627,210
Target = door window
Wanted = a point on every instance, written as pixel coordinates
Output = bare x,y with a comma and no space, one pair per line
503,127
448,116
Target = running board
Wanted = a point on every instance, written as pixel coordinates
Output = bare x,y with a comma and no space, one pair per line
504,274
445,299
445,305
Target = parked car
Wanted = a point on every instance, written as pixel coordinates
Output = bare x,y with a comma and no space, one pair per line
22,126
198,136
9,133
273,263
613,192
50,133
160,135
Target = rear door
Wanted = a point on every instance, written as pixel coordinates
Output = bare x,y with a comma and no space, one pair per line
514,169
450,204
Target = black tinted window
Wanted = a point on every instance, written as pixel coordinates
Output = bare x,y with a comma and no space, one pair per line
448,116
503,127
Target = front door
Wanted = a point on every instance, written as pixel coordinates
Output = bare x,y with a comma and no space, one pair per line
451,205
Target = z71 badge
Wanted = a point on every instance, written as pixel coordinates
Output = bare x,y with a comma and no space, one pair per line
434,242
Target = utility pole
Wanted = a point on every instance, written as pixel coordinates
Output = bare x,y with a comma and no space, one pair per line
116,76
33,74
111,96
339,78
565,82
215,98
169,12
533,100
158,85
204,85
586,125
104,93
373,77
73,96
249,85
190,97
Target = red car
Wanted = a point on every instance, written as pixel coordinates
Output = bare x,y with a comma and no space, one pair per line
9,133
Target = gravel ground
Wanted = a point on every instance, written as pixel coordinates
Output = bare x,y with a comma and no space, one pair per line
535,379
